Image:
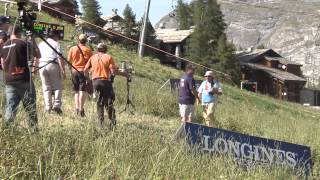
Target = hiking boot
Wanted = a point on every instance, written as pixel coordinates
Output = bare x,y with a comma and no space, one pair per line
82,114
77,112
47,111
34,130
113,124
57,110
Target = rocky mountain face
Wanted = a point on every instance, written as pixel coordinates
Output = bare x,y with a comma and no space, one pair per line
291,27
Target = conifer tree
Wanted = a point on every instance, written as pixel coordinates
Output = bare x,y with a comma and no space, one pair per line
208,44
72,5
91,12
209,26
184,15
227,62
129,25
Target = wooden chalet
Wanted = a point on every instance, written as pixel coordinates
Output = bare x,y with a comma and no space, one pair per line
113,21
275,75
172,41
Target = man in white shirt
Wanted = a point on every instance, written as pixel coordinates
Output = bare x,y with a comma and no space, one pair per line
52,68
209,91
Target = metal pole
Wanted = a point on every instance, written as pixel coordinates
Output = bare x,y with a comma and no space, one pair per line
144,28
6,9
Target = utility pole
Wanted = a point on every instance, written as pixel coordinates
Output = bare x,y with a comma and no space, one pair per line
6,9
144,28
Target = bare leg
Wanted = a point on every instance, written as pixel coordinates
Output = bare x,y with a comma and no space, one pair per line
76,100
81,100
189,119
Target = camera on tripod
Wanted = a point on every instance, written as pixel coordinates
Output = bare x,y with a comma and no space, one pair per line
26,16
127,67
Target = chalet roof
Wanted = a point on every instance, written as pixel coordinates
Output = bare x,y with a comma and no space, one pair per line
113,17
115,26
252,56
172,35
277,73
281,60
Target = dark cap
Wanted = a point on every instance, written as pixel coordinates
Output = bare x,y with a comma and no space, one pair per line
4,19
3,34
190,67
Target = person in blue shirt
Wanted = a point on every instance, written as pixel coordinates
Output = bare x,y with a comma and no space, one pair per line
209,91
187,94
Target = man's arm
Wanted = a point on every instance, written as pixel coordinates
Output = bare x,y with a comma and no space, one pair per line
200,90
61,61
2,61
35,65
115,70
36,56
191,85
62,67
86,68
217,89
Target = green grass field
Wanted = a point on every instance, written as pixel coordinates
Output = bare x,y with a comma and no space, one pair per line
69,147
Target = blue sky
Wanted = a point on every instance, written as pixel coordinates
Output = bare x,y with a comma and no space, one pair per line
158,8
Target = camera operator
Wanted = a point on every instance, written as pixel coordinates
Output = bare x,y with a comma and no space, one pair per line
3,39
79,56
103,69
51,70
17,78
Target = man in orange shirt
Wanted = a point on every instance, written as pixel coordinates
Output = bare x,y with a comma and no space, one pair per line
103,69
79,55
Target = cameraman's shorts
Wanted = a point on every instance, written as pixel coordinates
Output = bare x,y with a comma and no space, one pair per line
78,81
186,110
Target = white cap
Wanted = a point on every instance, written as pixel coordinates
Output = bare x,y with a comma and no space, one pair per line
102,46
83,37
208,73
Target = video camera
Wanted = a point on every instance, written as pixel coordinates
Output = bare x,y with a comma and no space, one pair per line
26,16
27,19
127,67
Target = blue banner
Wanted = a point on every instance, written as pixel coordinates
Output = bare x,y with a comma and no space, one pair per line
175,84
249,150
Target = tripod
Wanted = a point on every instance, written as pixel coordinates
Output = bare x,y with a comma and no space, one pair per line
30,56
129,105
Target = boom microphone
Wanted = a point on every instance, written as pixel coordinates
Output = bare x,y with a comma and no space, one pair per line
52,2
